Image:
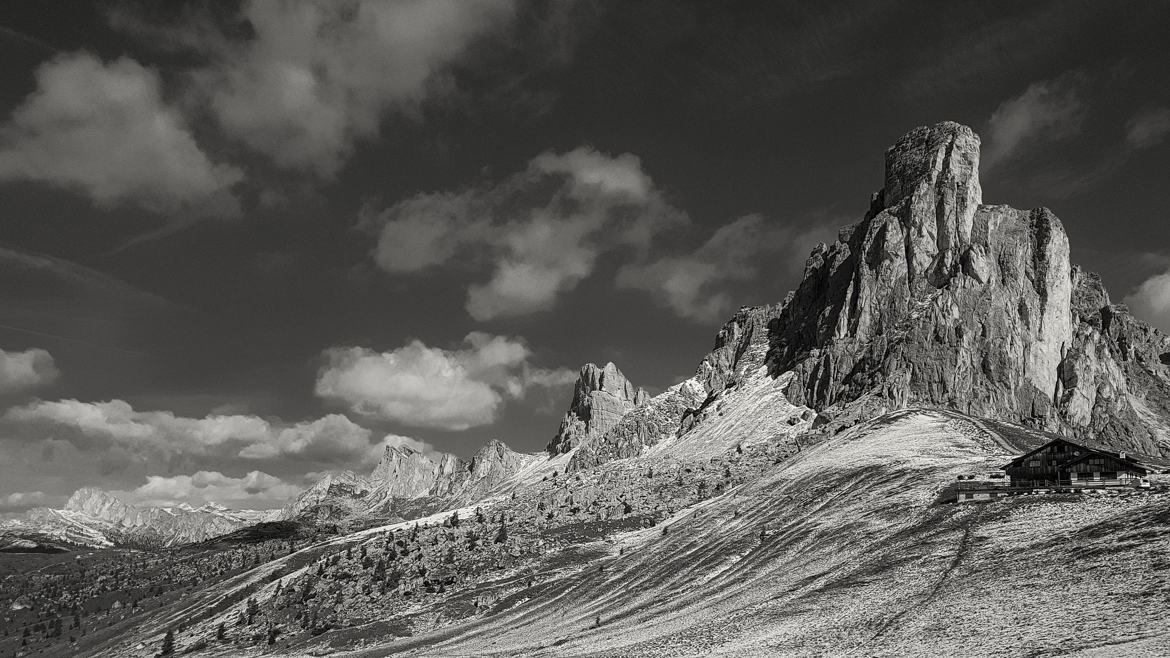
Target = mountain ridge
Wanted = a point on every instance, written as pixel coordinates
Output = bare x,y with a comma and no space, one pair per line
97,518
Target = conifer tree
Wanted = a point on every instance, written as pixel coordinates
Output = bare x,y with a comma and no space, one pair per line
168,644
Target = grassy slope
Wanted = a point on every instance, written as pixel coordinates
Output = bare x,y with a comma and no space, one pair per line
859,558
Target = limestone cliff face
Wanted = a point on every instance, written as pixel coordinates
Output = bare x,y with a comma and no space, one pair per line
740,346
491,466
935,299
601,397
407,473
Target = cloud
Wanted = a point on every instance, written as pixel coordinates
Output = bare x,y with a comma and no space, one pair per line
333,438
433,387
23,371
1044,112
428,229
317,77
116,426
541,259
256,490
22,500
1148,128
105,130
696,285
540,232
1150,301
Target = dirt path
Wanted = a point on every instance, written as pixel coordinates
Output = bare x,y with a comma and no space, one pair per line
960,552
985,428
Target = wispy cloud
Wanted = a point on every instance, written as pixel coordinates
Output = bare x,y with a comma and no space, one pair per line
1148,128
1046,111
699,285
539,231
27,39
1150,301
317,77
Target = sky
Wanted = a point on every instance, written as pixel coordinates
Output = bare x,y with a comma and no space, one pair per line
242,244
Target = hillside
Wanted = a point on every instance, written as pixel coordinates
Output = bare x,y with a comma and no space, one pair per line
846,549
795,496
847,543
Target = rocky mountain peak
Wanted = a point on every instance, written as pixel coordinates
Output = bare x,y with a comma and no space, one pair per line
404,472
933,298
932,188
601,396
97,503
943,155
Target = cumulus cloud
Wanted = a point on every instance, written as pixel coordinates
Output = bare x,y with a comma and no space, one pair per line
695,285
105,130
115,425
539,232
333,438
1045,111
452,389
23,371
318,76
1150,301
256,490
1148,128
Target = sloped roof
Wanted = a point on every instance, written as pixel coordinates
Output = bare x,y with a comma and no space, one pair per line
1018,460
1086,453
1128,461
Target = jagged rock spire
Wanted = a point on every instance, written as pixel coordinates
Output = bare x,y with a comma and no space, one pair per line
935,299
600,398
932,185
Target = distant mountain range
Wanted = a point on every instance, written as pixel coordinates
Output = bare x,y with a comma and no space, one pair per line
98,519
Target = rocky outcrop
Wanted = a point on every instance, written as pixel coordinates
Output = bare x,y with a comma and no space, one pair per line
407,473
334,497
644,426
935,299
740,346
491,466
601,397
